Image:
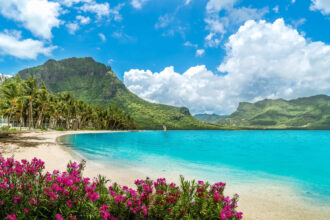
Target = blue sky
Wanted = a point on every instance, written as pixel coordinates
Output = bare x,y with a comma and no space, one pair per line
179,51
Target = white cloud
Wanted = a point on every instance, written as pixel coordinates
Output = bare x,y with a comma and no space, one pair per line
321,5
293,1
69,3
189,44
214,6
200,52
214,25
212,40
219,25
100,9
38,16
103,38
115,12
72,27
138,3
299,22
276,9
83,20
12,44
264,60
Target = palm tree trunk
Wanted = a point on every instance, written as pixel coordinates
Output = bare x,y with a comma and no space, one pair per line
11,111
67,122
40,116
30,114
21,119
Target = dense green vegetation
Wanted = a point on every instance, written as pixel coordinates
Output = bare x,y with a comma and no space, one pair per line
302,113
24,103
97,84
209,118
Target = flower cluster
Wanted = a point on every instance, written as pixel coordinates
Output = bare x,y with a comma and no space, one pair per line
27,191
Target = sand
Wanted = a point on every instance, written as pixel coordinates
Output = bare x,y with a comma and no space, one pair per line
261,202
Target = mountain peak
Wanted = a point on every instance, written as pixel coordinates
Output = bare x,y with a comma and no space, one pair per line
95,83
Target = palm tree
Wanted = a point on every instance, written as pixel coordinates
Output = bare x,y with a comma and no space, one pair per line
19,99
11,93
67,99
43,98
53,110
21,102
30,90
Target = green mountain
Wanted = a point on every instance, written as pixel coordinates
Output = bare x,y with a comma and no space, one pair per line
210,118
95,83
302,113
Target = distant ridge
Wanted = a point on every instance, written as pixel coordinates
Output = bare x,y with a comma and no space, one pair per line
96,83
301,113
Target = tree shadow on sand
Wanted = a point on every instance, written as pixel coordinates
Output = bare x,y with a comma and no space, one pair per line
17,139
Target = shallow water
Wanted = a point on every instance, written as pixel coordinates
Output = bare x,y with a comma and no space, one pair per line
296,158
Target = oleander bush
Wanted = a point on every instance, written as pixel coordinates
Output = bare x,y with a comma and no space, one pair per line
27,191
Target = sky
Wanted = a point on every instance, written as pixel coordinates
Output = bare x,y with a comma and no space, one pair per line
207,55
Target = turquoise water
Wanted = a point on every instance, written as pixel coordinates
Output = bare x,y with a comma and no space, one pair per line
297,158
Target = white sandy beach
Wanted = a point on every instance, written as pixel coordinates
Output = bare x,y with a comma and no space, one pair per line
264,202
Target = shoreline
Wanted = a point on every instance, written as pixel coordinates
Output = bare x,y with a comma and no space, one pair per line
264,201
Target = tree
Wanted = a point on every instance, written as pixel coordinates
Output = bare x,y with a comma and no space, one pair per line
42,97
10,92
25,102
30,90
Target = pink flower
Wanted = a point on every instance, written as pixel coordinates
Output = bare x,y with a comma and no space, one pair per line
201,183
239,215
26,210
144,210
16,199
104,213
11,217
93,196
69,203
59,217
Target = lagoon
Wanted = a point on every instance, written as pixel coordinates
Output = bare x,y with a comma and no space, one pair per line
300,159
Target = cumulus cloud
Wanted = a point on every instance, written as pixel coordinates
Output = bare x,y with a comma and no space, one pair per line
321,5
138,3
38,16
264,60
12,44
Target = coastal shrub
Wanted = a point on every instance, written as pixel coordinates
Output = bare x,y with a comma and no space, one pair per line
27,191
4,128
60,129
